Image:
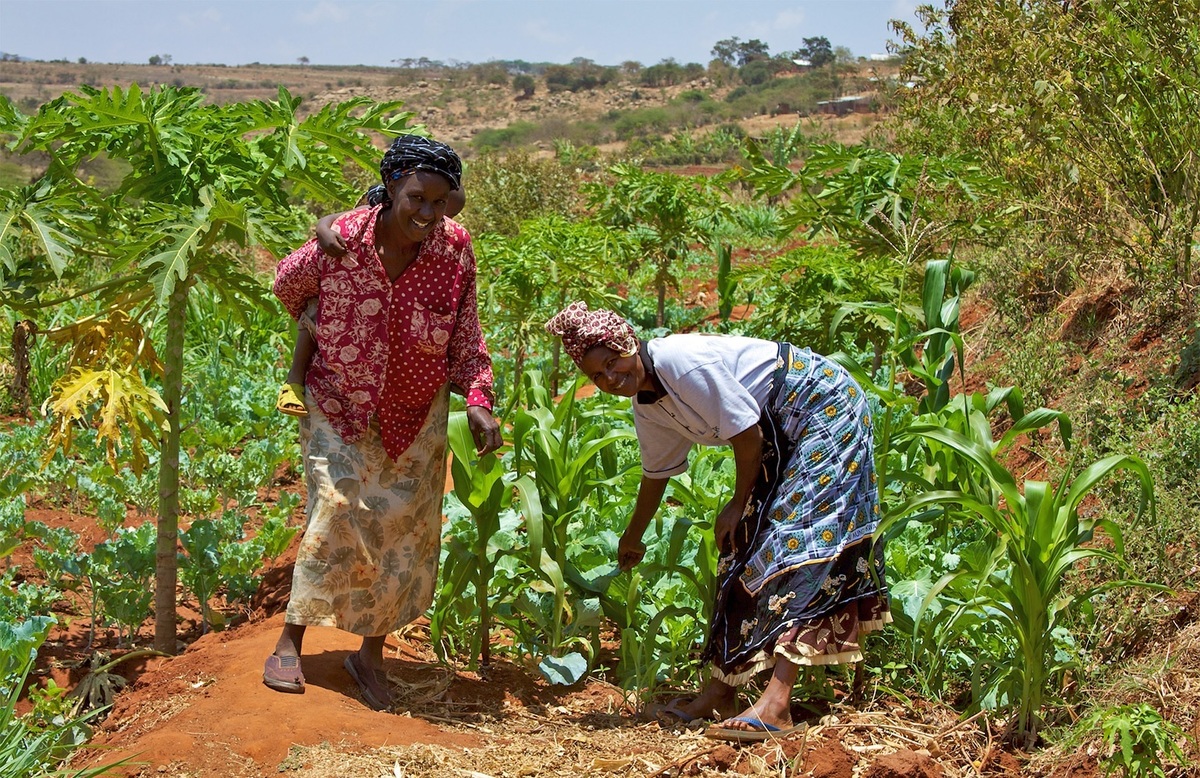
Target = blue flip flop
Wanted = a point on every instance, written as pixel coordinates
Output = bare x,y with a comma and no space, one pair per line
762,731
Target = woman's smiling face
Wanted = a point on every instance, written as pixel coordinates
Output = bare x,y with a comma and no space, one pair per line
613,373
418,203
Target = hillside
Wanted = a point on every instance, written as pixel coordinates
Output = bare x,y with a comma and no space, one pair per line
454,105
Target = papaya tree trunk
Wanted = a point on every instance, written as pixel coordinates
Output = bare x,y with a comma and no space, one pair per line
23,334
168,474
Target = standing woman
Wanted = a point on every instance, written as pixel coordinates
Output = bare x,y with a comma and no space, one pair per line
797,580
396,328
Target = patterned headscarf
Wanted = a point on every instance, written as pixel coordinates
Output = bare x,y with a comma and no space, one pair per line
580,329
410,153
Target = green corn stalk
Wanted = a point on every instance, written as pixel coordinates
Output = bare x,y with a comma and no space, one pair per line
726,284
481,485
570,455
1041,541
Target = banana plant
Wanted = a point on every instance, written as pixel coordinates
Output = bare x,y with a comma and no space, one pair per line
1019,589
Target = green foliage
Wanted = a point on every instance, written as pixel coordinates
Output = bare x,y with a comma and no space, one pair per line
25,599
661,214
57,555
580,75
1086,110
505,191
722,144
524,84
519,133
798,296
669,72
1036,360
35,745
12,525
120,571
219,557
1017,587
201,566
200,178
526,279
480,487
567,454
873,199
1140,741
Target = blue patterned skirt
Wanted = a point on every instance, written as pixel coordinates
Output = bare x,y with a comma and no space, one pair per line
806,578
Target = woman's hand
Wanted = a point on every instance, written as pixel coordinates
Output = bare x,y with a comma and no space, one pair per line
727,521
484,429
329,239
630,550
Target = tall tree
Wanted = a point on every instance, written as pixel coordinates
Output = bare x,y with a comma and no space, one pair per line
734,51
817,50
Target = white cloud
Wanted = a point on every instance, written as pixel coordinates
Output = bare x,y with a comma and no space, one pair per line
322,13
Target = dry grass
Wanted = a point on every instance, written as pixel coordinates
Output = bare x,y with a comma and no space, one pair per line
568,743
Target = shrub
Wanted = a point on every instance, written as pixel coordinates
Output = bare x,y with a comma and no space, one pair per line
504,191
524,84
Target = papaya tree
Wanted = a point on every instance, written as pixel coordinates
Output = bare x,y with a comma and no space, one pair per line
199,185
662,215
527,278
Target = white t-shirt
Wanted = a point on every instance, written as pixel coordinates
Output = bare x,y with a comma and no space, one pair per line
717,386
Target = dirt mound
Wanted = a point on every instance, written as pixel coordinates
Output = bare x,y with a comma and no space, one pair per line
207,713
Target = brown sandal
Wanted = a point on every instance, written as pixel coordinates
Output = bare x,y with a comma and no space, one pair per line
283,674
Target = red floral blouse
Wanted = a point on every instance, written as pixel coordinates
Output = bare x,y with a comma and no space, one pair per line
387,347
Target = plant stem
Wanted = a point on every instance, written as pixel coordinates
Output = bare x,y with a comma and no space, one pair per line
166,573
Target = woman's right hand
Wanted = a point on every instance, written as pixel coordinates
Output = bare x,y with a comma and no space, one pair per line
630,551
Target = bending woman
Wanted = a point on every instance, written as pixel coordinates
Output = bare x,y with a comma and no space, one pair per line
797,581
396,328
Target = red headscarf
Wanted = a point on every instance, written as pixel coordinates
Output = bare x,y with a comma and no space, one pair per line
580,329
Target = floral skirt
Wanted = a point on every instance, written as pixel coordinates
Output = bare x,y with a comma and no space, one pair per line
806,577
368,561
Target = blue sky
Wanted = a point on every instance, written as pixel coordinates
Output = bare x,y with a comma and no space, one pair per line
375,32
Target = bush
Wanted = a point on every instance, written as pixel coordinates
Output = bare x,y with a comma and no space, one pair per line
502,192
756,72
524,84
515,134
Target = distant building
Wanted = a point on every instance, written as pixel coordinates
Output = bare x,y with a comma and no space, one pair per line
844,105
880,57
804,63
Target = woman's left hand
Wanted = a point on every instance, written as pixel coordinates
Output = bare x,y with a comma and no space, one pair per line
484,429
727,521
